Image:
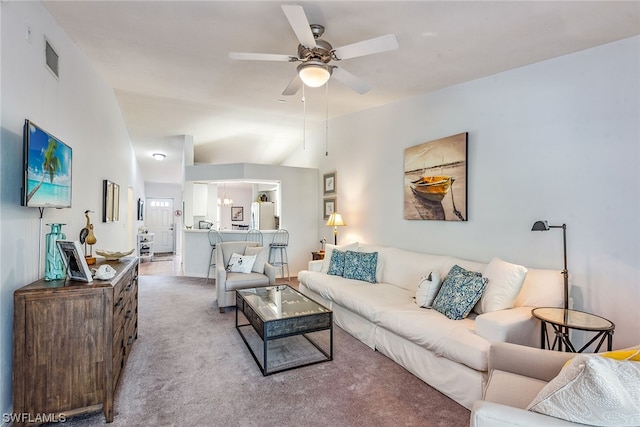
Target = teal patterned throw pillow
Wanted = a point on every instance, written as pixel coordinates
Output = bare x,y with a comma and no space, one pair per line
336,264
460,291
360,266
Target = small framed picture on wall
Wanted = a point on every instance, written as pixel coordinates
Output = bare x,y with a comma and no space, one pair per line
329,207
329,183
237,213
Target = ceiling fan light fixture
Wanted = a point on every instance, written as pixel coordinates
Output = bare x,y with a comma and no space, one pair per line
314,74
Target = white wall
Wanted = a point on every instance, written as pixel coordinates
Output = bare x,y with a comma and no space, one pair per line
557,140
80,109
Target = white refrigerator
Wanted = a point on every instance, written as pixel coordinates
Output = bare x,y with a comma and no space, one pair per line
263,216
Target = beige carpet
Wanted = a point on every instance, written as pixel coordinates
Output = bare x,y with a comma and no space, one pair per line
190,367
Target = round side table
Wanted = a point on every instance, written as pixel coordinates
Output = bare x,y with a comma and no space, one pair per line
561,320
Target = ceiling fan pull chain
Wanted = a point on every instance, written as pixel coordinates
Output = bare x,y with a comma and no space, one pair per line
326,122
304,120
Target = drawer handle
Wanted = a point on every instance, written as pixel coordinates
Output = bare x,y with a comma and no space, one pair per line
130,340
119,303
128,288
127,314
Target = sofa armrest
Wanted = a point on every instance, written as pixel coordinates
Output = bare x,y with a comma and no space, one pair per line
270,271
489,414
315,265
515,325
527,361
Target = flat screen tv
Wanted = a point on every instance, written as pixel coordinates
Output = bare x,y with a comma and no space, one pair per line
47,169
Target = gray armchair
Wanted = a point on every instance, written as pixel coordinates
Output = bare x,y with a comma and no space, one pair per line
228,282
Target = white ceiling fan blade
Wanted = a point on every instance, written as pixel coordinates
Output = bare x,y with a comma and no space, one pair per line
300,24
350,80
246,56
367,47
294,86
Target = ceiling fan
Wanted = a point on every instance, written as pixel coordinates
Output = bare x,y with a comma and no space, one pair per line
315,55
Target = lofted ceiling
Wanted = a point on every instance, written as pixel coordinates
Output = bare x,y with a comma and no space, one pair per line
168,62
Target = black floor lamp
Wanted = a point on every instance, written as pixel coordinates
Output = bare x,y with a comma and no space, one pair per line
544,226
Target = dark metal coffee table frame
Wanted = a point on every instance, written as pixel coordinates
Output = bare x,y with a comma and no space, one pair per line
271,329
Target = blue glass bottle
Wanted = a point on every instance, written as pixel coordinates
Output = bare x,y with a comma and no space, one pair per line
53,265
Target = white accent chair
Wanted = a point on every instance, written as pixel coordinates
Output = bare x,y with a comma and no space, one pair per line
517,374
228,282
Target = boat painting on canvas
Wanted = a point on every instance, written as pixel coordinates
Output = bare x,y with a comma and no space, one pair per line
435,180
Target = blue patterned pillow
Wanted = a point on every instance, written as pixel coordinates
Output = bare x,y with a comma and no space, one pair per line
336,264
460,291
360,266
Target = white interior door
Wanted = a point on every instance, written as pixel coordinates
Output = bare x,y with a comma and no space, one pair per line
159,221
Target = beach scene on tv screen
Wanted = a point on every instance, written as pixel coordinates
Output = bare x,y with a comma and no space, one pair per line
48,170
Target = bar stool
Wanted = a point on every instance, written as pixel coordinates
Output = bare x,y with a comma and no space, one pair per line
254,235
214,239
278,249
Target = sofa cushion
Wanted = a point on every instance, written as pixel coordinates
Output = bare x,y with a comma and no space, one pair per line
336,265
245,280
262,256
428,288
504,281
241,263
430,329
360,266
593,390
362,298
541,288
328,249
460,291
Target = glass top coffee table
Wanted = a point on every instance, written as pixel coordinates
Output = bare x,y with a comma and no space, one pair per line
284,329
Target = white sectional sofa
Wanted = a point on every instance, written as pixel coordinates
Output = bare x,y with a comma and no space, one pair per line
450,355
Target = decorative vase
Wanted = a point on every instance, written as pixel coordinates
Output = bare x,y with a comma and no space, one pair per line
53,265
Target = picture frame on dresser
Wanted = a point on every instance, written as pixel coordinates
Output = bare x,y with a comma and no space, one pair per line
74,261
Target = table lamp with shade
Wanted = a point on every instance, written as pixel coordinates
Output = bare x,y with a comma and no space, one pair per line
544,226
335,220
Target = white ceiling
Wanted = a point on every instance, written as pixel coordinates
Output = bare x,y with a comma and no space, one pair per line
168,62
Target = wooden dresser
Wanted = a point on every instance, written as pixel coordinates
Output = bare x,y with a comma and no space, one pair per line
71,341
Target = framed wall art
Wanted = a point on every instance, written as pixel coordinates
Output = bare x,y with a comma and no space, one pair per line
237,213
435,180
329,183
111,202
329,207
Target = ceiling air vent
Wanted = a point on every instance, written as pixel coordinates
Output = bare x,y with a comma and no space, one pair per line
51,58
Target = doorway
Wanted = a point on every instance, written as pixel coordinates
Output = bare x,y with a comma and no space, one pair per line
159,221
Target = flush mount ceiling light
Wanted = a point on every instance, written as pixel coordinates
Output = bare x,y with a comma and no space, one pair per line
314,74
159,156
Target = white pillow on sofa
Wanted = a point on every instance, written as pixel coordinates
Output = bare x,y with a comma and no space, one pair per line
241,263
593,390
328,249
427,290
504,283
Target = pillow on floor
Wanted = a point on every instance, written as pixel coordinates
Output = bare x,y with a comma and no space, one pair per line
360,266
427,290
336,264
504,281
460,291
593,390
328,249
241,263
262,256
